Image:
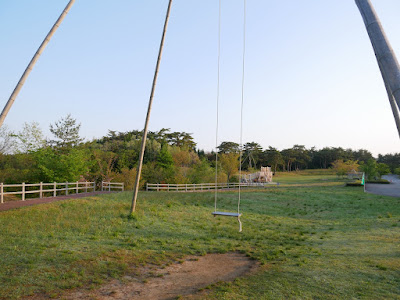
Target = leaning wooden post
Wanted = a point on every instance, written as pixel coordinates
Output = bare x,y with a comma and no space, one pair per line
146,124
384,53
21,82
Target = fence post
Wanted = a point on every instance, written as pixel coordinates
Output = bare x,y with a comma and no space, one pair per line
23,191
147,186
102,183
77,188
123,186
1,192
66,188
94,186
41,190
186,187
55,189
85,186
109,186
158,187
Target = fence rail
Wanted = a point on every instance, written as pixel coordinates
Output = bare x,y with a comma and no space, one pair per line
111,186
202,186
54,189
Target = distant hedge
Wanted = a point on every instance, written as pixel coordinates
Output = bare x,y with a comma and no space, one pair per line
380,181
357,183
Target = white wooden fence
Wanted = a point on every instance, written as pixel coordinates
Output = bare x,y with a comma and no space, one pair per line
112,186
54,189
202,186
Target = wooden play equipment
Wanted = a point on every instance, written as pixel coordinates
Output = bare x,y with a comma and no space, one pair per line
264,176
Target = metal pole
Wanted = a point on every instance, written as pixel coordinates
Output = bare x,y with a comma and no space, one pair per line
143,146
21,82
385,56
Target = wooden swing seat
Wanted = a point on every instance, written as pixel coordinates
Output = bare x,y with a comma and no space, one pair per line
228,214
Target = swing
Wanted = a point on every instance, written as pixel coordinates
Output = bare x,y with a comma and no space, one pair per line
237,214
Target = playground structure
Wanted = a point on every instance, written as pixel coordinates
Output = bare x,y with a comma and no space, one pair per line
265,175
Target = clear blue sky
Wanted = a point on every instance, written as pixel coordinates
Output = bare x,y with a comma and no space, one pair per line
311,74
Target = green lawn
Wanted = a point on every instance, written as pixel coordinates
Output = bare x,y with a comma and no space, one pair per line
319,242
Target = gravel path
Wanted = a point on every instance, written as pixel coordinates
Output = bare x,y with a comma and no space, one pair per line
392,189
17,204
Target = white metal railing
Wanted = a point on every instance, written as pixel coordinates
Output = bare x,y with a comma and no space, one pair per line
54,189
111,186
190,187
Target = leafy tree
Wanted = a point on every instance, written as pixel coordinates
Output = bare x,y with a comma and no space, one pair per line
165,164
230,164
252,154
363,155
382,169
53,165
105,162
66,132
7,140
301,156
181,139
164,158
201,173
392,160
273,158
369,168
289,157
344,167
153,149
397,171
30,138
128,177
228,147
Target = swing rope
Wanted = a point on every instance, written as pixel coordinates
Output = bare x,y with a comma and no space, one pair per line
241,108
217,122
241,114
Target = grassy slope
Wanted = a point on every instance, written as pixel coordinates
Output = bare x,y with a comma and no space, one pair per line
312,242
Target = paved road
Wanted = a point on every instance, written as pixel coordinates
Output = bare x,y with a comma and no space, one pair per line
392,189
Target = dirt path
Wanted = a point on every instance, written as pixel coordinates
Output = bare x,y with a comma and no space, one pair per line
392,189
17,204
180,279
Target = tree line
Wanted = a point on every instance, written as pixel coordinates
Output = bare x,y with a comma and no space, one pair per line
170,157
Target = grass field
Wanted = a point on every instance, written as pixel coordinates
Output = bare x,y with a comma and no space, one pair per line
315,240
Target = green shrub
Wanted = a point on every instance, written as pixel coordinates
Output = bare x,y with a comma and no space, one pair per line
357,183
381,181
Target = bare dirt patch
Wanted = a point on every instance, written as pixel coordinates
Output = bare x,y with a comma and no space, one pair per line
180,279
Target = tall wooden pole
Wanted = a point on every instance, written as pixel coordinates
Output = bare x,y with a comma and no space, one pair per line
21,82
146,124
385,56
